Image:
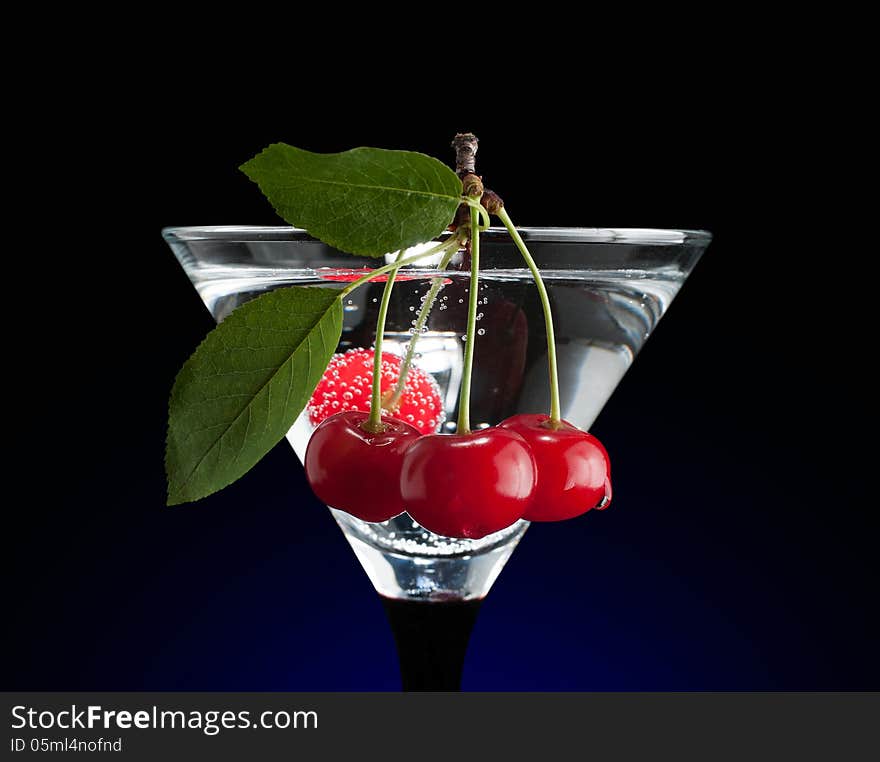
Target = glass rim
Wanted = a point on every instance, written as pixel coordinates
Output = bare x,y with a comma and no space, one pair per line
648,236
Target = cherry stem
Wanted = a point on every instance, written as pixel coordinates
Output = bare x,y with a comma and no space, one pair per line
484,215
464,395
555,409
394,265
374,422
430,298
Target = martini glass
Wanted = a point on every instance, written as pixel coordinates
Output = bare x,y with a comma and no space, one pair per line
608,288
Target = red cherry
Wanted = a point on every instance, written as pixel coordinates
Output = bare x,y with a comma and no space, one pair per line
574,472
468,485
347,384
356,471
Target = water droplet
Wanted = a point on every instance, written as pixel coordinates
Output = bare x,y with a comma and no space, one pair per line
412,309
464,337
461,301
375,300
606,498
481,332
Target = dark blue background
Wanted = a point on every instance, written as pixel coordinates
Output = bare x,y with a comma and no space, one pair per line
740,552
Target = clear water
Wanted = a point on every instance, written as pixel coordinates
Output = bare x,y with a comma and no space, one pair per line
602,319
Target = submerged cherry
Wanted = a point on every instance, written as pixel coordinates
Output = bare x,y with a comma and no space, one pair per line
574,472
356,471
468,485
346,384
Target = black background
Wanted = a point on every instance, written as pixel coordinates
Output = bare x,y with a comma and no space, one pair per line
740,552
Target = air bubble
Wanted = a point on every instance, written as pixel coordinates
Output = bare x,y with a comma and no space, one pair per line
481,332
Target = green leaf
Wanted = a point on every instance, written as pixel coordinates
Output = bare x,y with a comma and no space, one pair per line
243,388
365,201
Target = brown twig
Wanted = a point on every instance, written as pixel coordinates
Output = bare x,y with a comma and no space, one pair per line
465,145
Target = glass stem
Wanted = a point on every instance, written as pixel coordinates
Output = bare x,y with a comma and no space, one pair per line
464,396
432,639
555,407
